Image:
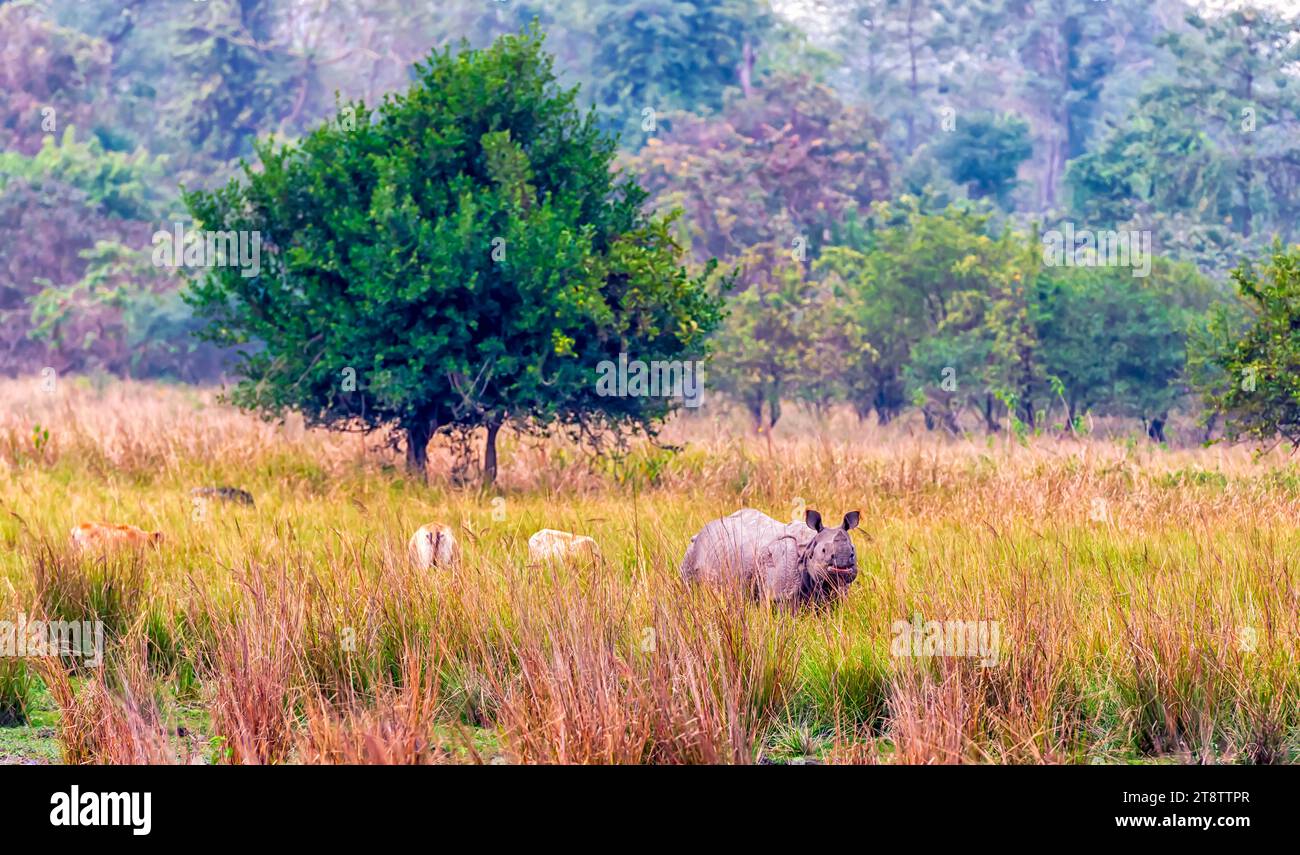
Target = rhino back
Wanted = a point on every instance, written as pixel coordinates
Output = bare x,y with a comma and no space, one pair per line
727,549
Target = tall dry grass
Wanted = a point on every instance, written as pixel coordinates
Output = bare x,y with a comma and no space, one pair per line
399,726
1147,598
115,715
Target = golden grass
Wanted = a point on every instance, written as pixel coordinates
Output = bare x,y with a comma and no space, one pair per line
1147,598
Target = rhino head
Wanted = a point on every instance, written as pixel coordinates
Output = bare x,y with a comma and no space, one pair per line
830,563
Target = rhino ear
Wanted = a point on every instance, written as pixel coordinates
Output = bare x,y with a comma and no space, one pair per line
851,520
813,520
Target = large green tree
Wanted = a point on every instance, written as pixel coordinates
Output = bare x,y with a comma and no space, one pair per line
463,253
930,277
1250,368
1118,343
775,344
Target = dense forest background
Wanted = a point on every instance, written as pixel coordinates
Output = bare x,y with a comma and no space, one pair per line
879,173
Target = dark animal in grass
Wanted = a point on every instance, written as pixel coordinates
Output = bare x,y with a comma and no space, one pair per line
223,494
790,564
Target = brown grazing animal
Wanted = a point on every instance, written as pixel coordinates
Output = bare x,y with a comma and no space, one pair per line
434,545
102,537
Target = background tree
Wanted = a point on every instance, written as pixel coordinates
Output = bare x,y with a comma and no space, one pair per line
671,55
238,84
1218,138
781,165
948,371
774,345
873,341
914,271
1066,50
1117,343
1254,375
463,251
984,152
50,79
903,57
75,294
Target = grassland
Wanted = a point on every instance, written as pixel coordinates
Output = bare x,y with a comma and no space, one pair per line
1147,598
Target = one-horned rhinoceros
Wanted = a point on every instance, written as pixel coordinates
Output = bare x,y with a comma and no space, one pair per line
790,564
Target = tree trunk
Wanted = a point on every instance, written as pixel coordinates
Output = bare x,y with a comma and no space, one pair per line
747,69
1210,423
490,454
1246,176
950,422
991,424
1247,171
914,85
417,450
754,403
1029,417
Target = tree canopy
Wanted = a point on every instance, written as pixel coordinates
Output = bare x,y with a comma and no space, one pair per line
460,255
